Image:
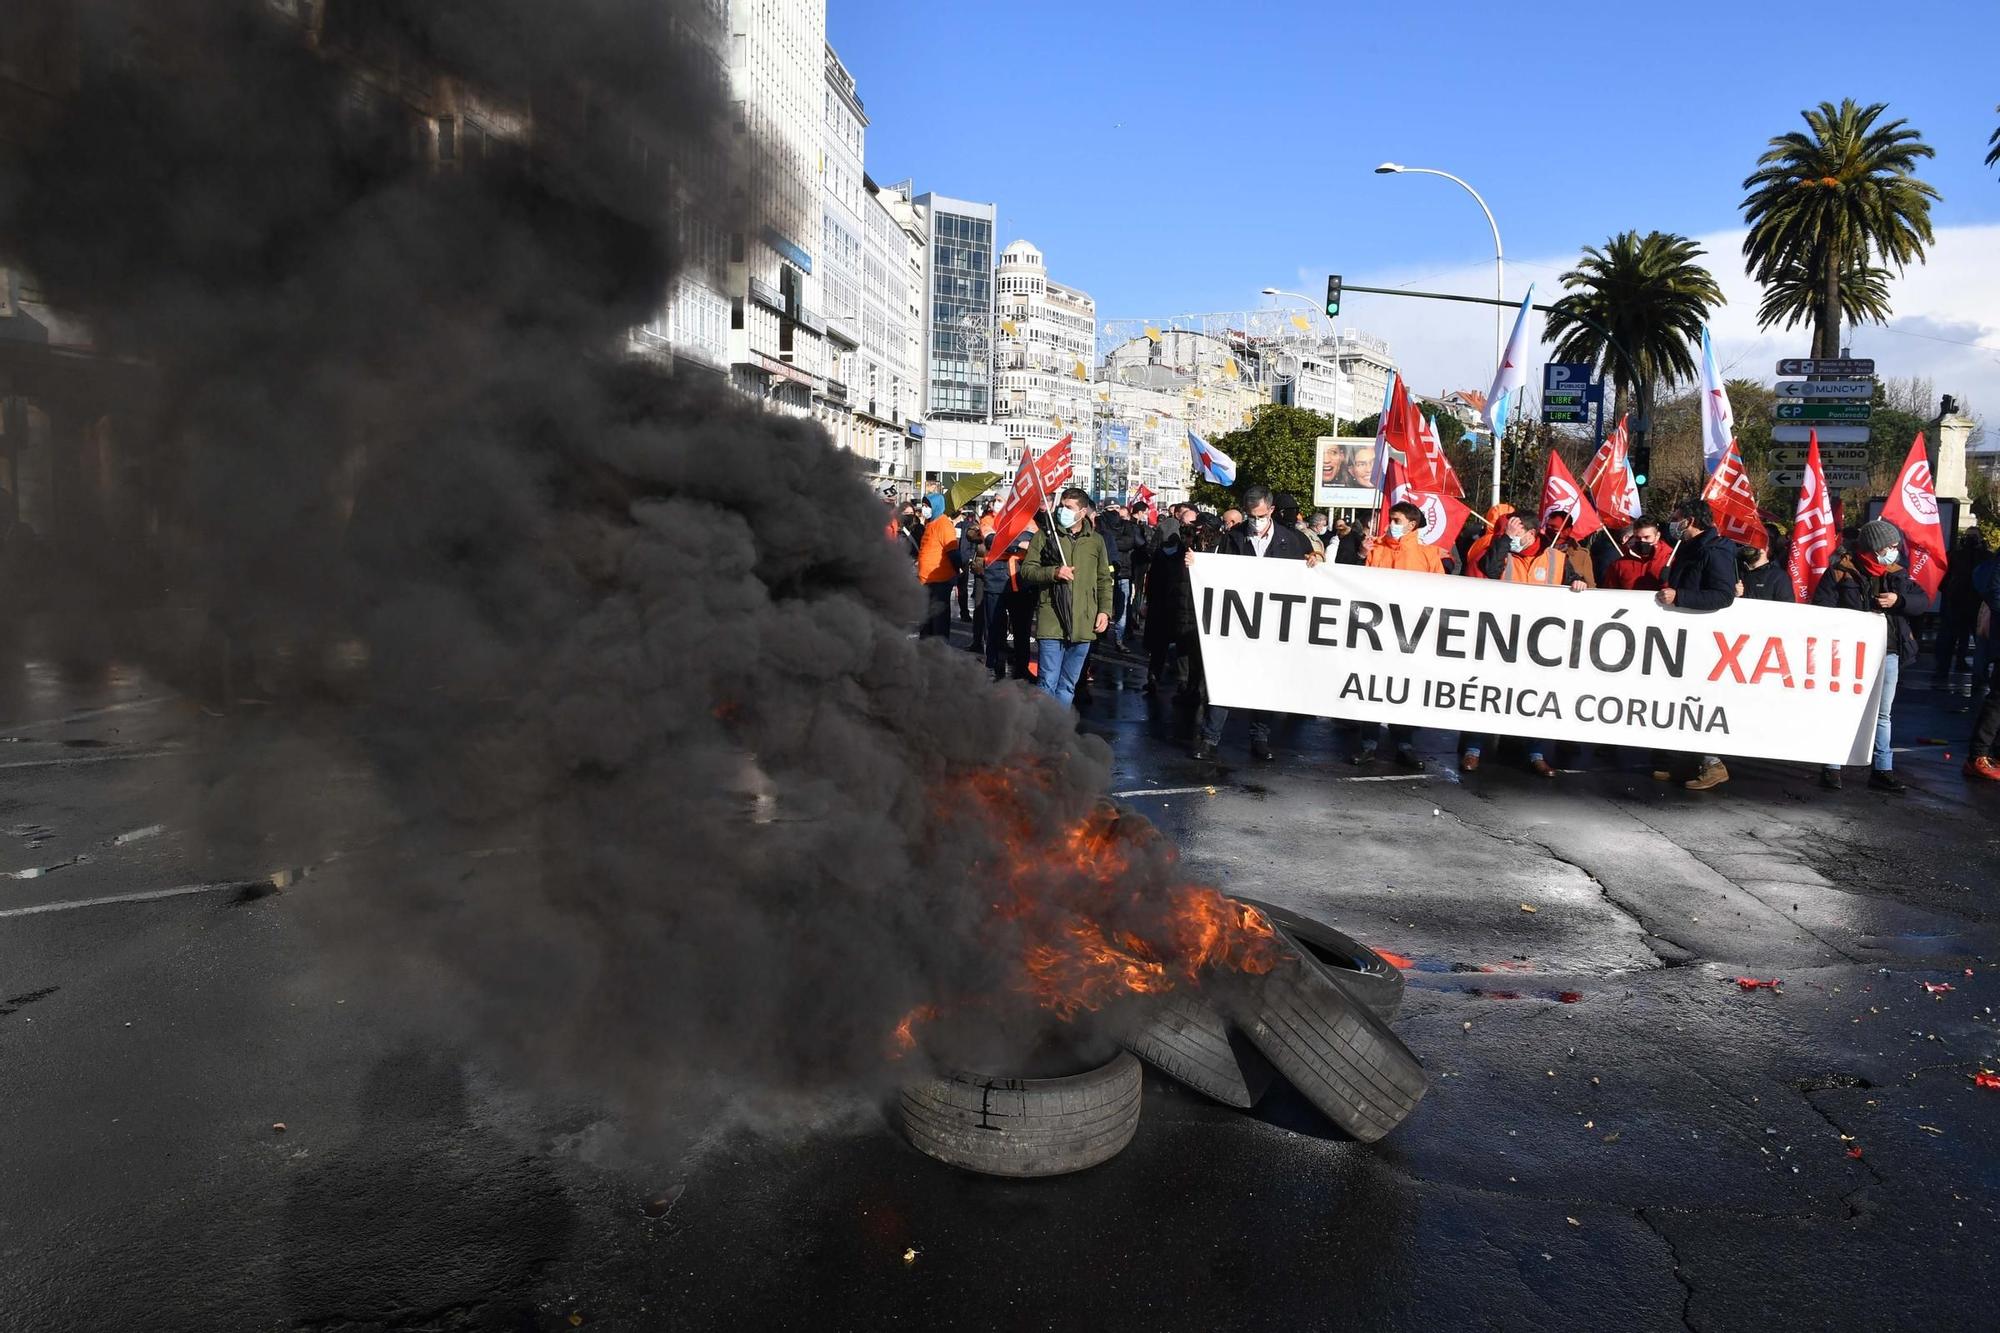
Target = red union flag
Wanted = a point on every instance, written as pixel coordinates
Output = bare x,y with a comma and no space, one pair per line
1609,479
1561,495
1037,481
1733,500
1913,508
1145,493
1443,515
1814,531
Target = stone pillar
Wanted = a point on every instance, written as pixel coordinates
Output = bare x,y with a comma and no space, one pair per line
1948,462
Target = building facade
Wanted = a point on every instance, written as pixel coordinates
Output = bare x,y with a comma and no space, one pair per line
777,79
905,256
1045,338
1345,376
958,309
843,256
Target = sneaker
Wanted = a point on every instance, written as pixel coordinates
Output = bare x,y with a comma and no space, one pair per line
1829,778
1363,756
1711,775
1542,767
1982,767
1407,757
1262,750
1882,779
1468,762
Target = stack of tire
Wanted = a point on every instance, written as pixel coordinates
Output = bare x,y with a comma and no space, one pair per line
1320,1020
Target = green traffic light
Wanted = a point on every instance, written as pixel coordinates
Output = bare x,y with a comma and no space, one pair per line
1333,294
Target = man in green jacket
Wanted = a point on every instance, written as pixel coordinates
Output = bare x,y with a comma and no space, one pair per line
1072,571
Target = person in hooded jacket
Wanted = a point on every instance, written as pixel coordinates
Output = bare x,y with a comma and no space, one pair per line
940,557
1870,576
1169,602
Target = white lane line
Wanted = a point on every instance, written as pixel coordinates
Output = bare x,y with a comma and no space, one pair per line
149,896
1165,791
1389,777
105,758
88,713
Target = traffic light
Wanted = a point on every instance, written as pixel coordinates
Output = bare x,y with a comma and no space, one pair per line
1332,295
1642,463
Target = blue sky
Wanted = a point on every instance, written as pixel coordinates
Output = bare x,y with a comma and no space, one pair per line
1178,156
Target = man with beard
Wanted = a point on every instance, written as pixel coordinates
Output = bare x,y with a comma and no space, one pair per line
1072,571
1261,536
1643,567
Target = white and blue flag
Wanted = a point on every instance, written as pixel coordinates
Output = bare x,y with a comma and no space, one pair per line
1210,462
1510,381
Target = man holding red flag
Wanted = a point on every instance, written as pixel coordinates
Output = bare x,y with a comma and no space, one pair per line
1733,500
1037,482
1913,508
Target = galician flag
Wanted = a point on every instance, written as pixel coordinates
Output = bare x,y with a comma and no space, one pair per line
1510,381
1718,423
1210,462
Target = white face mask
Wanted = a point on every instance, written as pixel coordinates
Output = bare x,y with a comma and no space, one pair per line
1260,525
1520,543
1399,529
1066,517
1888,554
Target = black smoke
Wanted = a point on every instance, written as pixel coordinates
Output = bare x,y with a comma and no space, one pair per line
637,641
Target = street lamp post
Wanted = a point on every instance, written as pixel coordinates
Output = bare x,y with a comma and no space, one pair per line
1499,278
1335,330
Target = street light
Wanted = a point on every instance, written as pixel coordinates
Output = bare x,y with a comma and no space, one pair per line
1499,276
1274,291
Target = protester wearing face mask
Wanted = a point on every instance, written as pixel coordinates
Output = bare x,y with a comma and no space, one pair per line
1869,576
1643,567
1761,575
1072,571
1169,602
1701,576
1258,536
1399,547
1516,553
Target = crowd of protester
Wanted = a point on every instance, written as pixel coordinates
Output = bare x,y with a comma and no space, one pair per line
1107,578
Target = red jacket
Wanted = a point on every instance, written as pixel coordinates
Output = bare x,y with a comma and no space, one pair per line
1630,573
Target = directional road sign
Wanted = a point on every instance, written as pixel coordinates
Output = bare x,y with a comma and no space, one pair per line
1822,411
1799,432
1834,455
1826,368
1826,388
1837,477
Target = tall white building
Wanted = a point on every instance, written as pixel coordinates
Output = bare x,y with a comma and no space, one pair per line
843,256
904,251
958,309
777,78
1045,339
1345,377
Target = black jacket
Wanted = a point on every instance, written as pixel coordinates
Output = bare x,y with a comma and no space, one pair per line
1851,588
1703,572
1286,543
1169,596
1769,582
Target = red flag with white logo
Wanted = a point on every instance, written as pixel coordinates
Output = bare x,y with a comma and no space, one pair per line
1733,500
1561,495
1913,508
1609,479
1037,481
1145,493
1443,515
1814,535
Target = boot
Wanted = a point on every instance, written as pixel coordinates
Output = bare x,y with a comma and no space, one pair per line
1711,775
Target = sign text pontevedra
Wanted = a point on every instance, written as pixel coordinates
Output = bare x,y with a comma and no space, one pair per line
1762,679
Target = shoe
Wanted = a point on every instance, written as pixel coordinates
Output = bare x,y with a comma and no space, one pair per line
1407,758
1201,751
1542,767
1982,767
1468,762
1663,775
1711,775
1262,750
1364,756
1829,778
1882,779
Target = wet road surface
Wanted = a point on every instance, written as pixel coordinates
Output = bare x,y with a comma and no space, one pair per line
1617,1134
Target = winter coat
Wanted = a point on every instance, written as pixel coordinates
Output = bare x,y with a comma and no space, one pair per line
1702,572
1538,566
938,556
1482,545
1629,573
1286,543
1851,588
1405,553
1769,582
1169,596
1077,602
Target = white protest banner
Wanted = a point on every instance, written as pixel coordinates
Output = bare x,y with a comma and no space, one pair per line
1765,679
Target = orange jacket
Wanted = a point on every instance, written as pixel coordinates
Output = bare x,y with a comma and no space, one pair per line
1539,565
1496,518
934,562
1405,553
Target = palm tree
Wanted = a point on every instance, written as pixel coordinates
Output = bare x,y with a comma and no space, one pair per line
1792,296
1635,309
1993,153
1844,192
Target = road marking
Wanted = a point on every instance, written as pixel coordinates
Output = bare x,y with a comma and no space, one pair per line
150,895
1165,791
88,713
1211,791
1389,777
91,758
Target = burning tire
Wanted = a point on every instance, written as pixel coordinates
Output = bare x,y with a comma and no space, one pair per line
1186,1038
1353,966
1025,1126
1333,1049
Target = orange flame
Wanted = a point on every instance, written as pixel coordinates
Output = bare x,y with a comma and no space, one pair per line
905,1038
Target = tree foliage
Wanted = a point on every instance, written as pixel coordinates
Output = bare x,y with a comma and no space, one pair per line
1993,153
1791,298
1275,449
1648,295
1843,192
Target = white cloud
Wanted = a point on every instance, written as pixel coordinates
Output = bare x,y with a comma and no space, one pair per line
1941,306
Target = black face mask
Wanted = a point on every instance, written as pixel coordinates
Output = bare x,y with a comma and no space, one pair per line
1642,549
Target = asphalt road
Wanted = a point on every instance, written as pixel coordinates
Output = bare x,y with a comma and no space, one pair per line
1617,1134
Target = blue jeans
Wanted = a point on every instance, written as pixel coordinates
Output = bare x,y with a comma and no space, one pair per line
1121,595
1060,666
1892,672
1536,749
